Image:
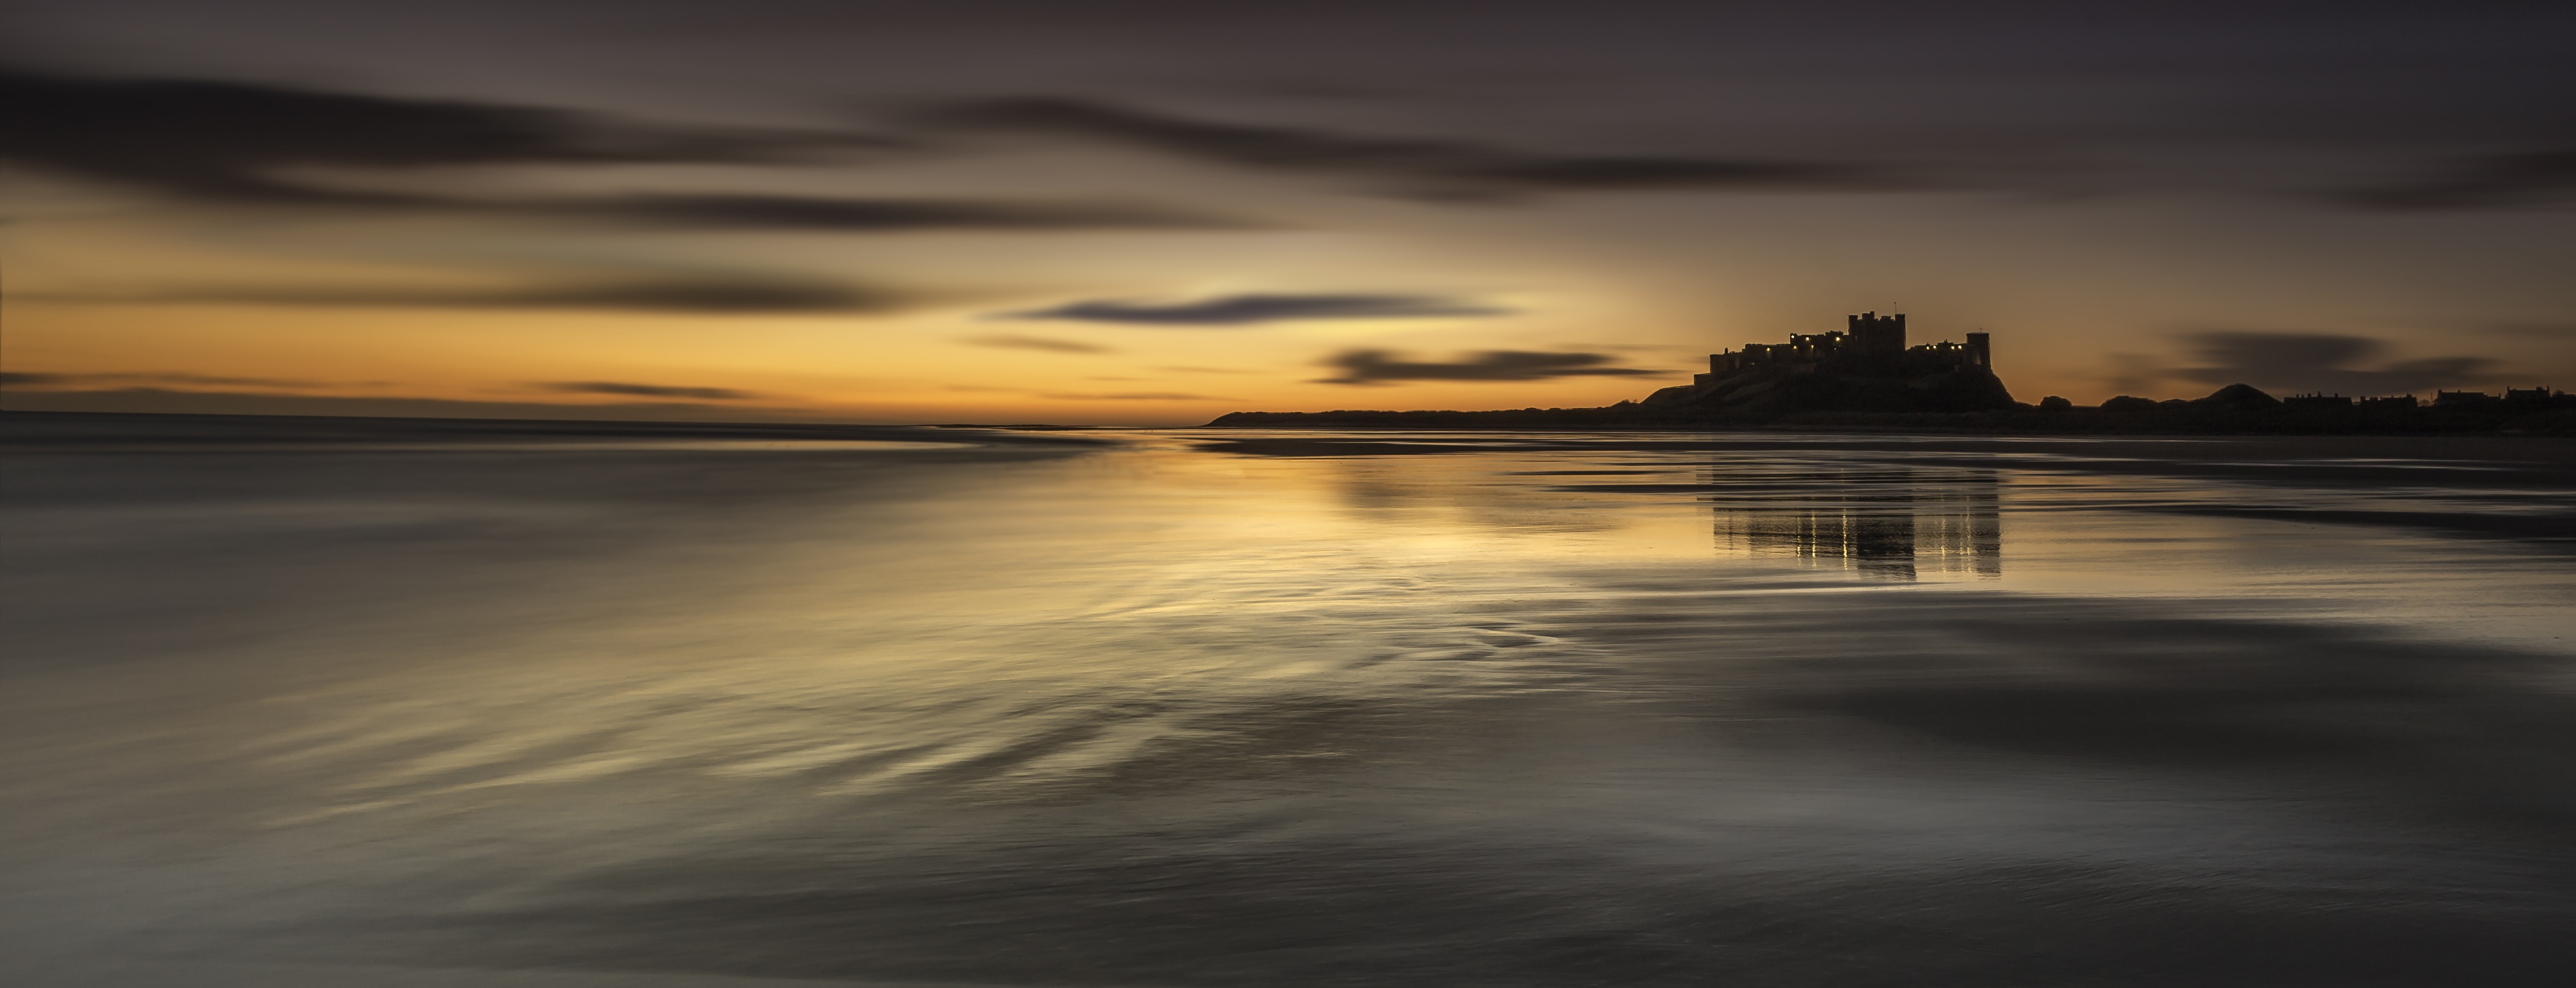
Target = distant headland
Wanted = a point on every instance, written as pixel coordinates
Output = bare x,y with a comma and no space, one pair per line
1867,377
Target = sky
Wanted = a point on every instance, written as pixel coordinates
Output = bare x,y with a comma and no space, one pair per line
1152,213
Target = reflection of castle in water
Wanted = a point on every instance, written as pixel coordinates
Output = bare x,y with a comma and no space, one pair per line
1897,521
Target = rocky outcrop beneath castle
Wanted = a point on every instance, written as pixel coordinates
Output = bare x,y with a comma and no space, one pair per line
1768,394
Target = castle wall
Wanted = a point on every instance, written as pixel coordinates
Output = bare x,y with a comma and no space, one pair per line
1870,344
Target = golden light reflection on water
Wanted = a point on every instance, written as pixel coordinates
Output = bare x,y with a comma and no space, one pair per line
1074,622
1157,612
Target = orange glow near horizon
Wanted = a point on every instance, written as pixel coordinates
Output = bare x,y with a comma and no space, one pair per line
121,304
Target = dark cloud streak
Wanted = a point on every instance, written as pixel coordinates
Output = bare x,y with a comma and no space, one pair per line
1435,169
1380,366
881,215
1036,343
2314,361
1255,309
647,390
238,143
31,379
227,141
713,296
2531,180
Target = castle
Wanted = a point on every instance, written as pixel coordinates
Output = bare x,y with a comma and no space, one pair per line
1865,367
1871,343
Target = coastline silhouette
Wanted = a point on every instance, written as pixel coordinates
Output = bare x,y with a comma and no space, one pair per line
1867,376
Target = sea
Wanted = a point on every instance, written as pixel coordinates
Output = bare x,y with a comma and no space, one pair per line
417,703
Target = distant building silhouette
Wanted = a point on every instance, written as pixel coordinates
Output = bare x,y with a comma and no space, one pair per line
2318,400
1864,367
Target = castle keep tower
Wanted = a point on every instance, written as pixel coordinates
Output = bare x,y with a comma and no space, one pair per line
1875,335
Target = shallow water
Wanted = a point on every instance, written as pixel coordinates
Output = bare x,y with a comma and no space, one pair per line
1194,708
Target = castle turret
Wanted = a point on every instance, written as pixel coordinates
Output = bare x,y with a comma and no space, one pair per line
1980,354
1876,335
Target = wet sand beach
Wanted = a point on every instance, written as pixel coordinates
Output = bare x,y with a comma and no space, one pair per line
367,701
